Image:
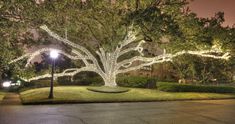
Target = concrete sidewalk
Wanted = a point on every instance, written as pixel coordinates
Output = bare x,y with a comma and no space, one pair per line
11,99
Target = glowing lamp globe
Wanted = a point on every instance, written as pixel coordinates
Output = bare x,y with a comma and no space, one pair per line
54,54
6,84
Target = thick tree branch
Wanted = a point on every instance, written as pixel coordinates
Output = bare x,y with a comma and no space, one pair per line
127,64
66,41
138,48
79,47
31,56
68,72
129,38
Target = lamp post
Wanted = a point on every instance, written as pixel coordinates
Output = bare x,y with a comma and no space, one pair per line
53,55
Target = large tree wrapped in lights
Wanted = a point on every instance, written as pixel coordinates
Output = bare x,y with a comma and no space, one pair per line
115,28
107,65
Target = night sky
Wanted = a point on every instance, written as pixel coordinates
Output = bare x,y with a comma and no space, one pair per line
208,8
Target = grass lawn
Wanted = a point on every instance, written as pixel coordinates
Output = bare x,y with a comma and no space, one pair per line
2,94
77,94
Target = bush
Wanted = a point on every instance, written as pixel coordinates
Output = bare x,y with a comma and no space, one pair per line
38,84
174,87
64,80
123,81
96,81
138,82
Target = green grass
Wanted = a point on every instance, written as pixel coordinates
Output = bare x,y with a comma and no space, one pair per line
75,94
2,94
104,89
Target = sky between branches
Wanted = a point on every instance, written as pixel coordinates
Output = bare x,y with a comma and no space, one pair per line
208,8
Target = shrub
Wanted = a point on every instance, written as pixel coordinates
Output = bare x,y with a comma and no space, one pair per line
96,81
135,81
38,83
174,87
64,81
123,81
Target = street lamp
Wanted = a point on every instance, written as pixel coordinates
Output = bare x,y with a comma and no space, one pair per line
53,55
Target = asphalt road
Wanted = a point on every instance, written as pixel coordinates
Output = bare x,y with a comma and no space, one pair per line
182,112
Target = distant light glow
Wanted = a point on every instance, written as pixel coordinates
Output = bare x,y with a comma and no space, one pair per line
54,54
18,82
6,84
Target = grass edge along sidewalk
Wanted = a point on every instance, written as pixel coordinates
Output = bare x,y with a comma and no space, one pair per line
2,94
80,94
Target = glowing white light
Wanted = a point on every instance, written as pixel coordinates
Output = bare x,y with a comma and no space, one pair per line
54,54
18,82
6,84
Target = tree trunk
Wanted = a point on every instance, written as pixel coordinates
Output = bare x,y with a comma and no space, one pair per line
110,80
181,81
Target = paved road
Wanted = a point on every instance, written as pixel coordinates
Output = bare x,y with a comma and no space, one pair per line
184,112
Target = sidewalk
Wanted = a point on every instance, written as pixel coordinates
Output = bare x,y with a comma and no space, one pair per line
11,99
